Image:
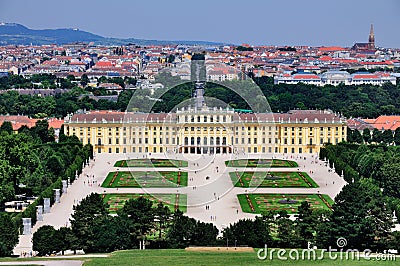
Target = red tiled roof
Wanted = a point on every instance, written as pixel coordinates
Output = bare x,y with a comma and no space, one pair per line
325,58
18,121
365,76
114,116
384,122
292,116
55,123
377,63
306,76
331,48
103,64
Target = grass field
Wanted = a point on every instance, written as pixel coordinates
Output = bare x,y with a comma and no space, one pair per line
127,179
259,203
181,257
272,179
178,257
173,201
261,163
151,163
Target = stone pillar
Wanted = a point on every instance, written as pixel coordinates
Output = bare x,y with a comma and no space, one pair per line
56,195
69,181
64,186
27,223
39,213
46,203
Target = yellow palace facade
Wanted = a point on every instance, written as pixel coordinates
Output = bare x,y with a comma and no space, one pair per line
207,131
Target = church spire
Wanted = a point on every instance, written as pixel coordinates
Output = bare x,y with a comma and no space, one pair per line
371,38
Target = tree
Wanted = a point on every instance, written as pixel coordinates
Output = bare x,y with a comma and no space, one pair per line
44,240
82,221
181,231
65,239
55,165
8,235
162,215
365,221
287,235
205,234
6,127
305,224
387,136
140,214
396,138
366,135
377,136
84,80
254,233
41,129
357,137
390,174
110,233
171,58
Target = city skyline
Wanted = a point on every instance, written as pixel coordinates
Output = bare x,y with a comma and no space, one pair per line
313,23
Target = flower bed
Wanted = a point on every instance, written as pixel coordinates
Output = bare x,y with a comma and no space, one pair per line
272,179
260,203
146,179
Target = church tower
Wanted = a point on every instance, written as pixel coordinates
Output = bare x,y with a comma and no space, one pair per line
371,38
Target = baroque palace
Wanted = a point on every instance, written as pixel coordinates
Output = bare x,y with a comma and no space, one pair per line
207,130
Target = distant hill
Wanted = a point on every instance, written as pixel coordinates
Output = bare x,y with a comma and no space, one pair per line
13,33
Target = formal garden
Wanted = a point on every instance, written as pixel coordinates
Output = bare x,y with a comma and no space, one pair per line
272,179
261,163
147,179
259,203
151,163
172,201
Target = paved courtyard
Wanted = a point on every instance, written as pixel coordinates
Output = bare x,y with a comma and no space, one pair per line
209,183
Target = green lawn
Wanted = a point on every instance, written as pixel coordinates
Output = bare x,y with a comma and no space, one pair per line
272,179
145,179
259,203
173,201
261,163
161,257
151,163
181,257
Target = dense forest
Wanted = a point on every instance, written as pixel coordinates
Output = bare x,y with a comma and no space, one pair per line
367,101
77,98
31,160
32,164
372,194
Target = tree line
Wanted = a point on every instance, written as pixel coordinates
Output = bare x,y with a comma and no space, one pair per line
372,169
13,103
386,137
32,164
141,221
366,101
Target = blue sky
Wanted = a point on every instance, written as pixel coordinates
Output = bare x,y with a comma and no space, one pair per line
280,22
